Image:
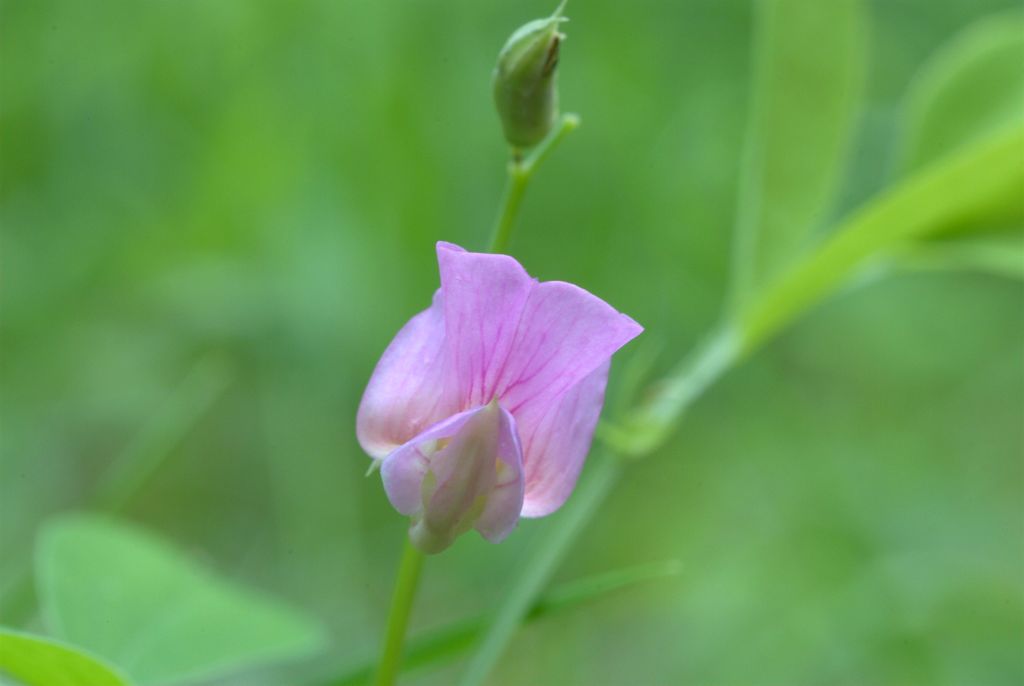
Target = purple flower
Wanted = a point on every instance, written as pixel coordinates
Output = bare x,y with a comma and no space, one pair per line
484,405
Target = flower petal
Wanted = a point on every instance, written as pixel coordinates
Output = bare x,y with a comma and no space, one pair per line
505,502
403,470
556,439
462,472
565,333
461,476
492,334
406,391
484,296
553,384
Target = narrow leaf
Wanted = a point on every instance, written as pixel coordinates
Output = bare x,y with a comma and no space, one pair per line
129,596
996,253
980,185
808,78
38,661
969,89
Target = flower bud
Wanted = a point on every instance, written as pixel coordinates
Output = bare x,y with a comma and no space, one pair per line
525,93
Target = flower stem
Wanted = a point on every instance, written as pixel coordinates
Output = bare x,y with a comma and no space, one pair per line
515,188
520,171
398,617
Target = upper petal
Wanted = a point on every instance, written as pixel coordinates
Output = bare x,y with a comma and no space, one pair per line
564,334
406,391
484,297
556,439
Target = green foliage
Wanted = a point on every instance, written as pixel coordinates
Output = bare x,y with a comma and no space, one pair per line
977,186
808,79
39,661
127,595
1000,253
971,88
447,643
645,427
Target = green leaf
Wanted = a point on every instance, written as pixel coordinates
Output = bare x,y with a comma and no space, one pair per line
979,185
969,89
448,642
38,661
131,597
809,62
997,253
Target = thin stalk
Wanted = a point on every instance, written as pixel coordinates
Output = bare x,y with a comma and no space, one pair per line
515,189
648,425
520,171
398,617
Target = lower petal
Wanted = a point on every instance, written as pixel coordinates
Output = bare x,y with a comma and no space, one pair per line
404,469
463,472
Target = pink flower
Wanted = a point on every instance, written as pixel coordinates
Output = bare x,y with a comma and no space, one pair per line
484,405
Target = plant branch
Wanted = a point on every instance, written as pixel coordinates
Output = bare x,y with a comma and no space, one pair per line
520,171
398,617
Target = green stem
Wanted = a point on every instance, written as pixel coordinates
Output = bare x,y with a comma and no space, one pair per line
520,171
398,617
515,189
645,427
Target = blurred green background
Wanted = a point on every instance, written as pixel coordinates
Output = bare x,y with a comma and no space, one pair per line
199,194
